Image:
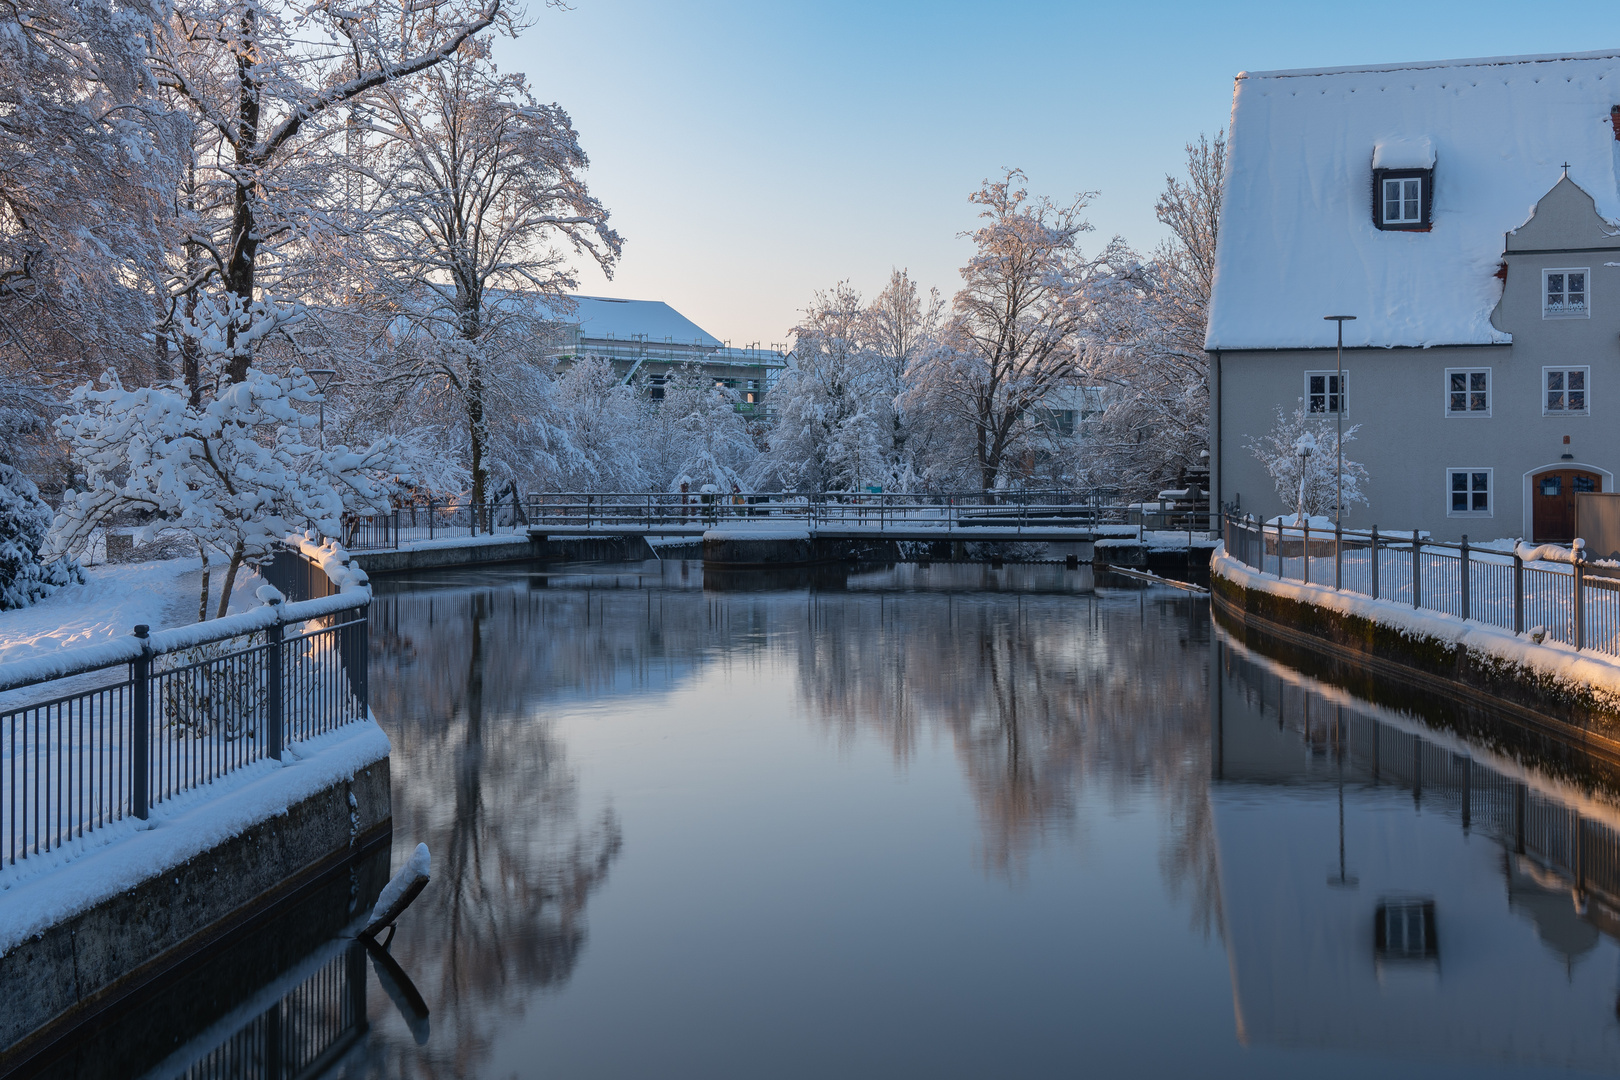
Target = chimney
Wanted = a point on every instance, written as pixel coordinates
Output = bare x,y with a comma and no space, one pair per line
1614,118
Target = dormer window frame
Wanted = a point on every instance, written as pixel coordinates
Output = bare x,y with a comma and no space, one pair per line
1425,199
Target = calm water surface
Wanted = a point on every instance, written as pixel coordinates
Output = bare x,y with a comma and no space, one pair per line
953,821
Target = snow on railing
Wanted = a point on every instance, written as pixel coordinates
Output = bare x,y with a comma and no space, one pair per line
431,519
173,711
1544,590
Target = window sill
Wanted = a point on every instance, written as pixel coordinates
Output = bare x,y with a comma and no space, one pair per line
1471,415
1560,414
1470,514
1566,314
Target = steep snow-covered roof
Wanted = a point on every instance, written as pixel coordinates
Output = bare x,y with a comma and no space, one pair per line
1297,239
602,317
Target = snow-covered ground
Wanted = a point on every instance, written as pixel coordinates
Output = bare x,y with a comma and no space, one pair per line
113,599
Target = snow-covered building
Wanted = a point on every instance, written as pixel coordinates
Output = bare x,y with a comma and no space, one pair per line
647,339
1467,213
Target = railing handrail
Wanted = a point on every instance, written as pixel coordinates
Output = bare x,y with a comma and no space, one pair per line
354,592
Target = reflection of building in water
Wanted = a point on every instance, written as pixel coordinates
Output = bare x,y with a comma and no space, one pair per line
1389,889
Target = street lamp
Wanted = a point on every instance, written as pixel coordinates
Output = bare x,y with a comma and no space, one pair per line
1338,443
326,375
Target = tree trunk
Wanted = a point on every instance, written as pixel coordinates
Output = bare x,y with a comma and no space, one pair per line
202,604
230,580
239,270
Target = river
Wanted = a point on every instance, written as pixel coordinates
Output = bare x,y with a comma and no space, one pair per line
952,821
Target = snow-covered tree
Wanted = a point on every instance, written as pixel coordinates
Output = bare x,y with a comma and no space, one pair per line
236,472
605,420
831,407
264,84
1010,341
696,434
24,522
479,181
1300,453
901,328
1145,338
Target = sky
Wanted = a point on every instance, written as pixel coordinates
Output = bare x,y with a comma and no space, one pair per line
752,153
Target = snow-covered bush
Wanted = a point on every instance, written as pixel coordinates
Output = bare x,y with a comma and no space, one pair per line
233,472
1300,453
24,522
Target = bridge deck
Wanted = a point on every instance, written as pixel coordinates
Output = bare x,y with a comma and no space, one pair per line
987,533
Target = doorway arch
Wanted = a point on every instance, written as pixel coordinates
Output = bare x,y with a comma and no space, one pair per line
1529,526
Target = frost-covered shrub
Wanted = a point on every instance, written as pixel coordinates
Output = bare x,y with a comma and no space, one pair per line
24,521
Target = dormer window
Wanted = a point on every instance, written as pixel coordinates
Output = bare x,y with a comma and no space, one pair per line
1402,199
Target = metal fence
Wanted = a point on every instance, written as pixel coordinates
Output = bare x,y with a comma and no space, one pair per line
169,713
1568,600
1023,508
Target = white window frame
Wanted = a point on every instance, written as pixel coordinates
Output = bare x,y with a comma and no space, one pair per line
1490,492
1328,395
1468,374
1401,200
1565,369
1586,306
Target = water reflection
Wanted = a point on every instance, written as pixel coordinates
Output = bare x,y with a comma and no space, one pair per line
1389,885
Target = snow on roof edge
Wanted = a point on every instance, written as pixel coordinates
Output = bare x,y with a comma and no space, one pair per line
1419,65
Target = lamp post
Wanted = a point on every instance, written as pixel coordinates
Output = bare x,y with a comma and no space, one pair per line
1338,442
325,375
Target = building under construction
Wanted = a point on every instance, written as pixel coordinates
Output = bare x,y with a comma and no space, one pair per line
646,340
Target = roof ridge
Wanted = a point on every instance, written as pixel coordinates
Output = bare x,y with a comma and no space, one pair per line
1422,65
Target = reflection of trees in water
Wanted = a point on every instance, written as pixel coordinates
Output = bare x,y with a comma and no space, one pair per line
1039,695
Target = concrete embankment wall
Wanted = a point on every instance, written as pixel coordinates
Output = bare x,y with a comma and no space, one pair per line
98,958
521,549
1474,675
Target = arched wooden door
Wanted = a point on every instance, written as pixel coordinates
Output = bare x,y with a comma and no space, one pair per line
1552,502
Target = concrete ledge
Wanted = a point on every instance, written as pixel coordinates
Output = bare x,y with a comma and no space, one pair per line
92,960
737,549
1377,660
535,548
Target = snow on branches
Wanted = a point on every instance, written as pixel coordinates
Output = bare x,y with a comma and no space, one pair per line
1301,452
235,473
24,521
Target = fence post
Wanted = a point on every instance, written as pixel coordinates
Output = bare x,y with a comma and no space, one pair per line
1305,553
1338,555
1375,562
1518,594
275,706
430,517
1279,548
1417,570
1580,602
1463,575
140,729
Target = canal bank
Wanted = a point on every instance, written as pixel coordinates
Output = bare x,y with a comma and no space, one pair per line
1386,651
171,791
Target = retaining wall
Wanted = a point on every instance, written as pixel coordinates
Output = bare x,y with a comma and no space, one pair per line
98,958
1468,668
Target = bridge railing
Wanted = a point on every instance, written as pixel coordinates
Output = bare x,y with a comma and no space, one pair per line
96,735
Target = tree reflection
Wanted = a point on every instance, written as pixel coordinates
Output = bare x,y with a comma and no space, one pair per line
1040,695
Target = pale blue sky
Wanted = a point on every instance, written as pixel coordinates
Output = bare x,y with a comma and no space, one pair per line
752,153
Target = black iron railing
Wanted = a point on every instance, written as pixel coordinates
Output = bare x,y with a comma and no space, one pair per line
108,732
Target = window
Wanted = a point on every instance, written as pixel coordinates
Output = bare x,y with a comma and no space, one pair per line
1403,198
1564,294
1322,392
1469,491
1403,201
1468,391
1404,930
1566,391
